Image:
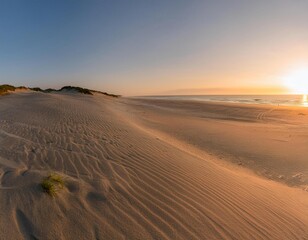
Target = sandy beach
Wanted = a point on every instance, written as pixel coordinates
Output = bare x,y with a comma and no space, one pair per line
151,169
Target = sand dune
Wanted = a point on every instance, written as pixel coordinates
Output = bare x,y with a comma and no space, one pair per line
139,169
270,140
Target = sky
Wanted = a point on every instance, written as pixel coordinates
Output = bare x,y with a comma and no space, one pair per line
150,47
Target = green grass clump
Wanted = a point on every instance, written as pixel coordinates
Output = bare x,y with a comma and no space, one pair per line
6,88
77,89
52,184
57,179
49,90
49,187
36,89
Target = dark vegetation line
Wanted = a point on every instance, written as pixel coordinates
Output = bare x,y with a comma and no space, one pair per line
5,89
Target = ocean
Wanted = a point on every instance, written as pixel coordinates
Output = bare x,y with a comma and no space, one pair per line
287,100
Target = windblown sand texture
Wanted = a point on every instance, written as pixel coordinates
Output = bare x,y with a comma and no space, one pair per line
149,169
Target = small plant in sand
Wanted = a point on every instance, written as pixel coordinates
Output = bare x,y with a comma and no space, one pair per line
52,184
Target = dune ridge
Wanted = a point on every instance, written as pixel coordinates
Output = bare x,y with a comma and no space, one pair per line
125,180
6,89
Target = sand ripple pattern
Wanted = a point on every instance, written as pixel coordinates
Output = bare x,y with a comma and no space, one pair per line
123,182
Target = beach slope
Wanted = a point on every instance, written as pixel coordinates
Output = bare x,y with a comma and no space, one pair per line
131,172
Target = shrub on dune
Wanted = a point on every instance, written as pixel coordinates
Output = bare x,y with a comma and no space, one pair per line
6,88
36,89
48,90
77,89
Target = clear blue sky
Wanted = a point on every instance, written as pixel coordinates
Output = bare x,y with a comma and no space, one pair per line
151,47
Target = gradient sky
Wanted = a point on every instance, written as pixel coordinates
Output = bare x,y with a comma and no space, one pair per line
154,47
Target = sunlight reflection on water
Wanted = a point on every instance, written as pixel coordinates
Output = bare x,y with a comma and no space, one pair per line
300,100
305,101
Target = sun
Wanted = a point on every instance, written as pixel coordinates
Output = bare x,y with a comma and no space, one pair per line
297,81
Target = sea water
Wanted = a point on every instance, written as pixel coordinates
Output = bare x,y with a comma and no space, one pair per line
287,100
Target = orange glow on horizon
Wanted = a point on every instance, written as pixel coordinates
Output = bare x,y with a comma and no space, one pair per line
230,91
305,100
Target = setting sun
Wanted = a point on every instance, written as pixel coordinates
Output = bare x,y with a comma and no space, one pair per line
297,81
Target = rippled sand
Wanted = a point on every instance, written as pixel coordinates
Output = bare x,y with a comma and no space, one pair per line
139,169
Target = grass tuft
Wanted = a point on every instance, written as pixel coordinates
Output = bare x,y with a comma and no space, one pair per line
57,179
52,184
77,89
6,88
